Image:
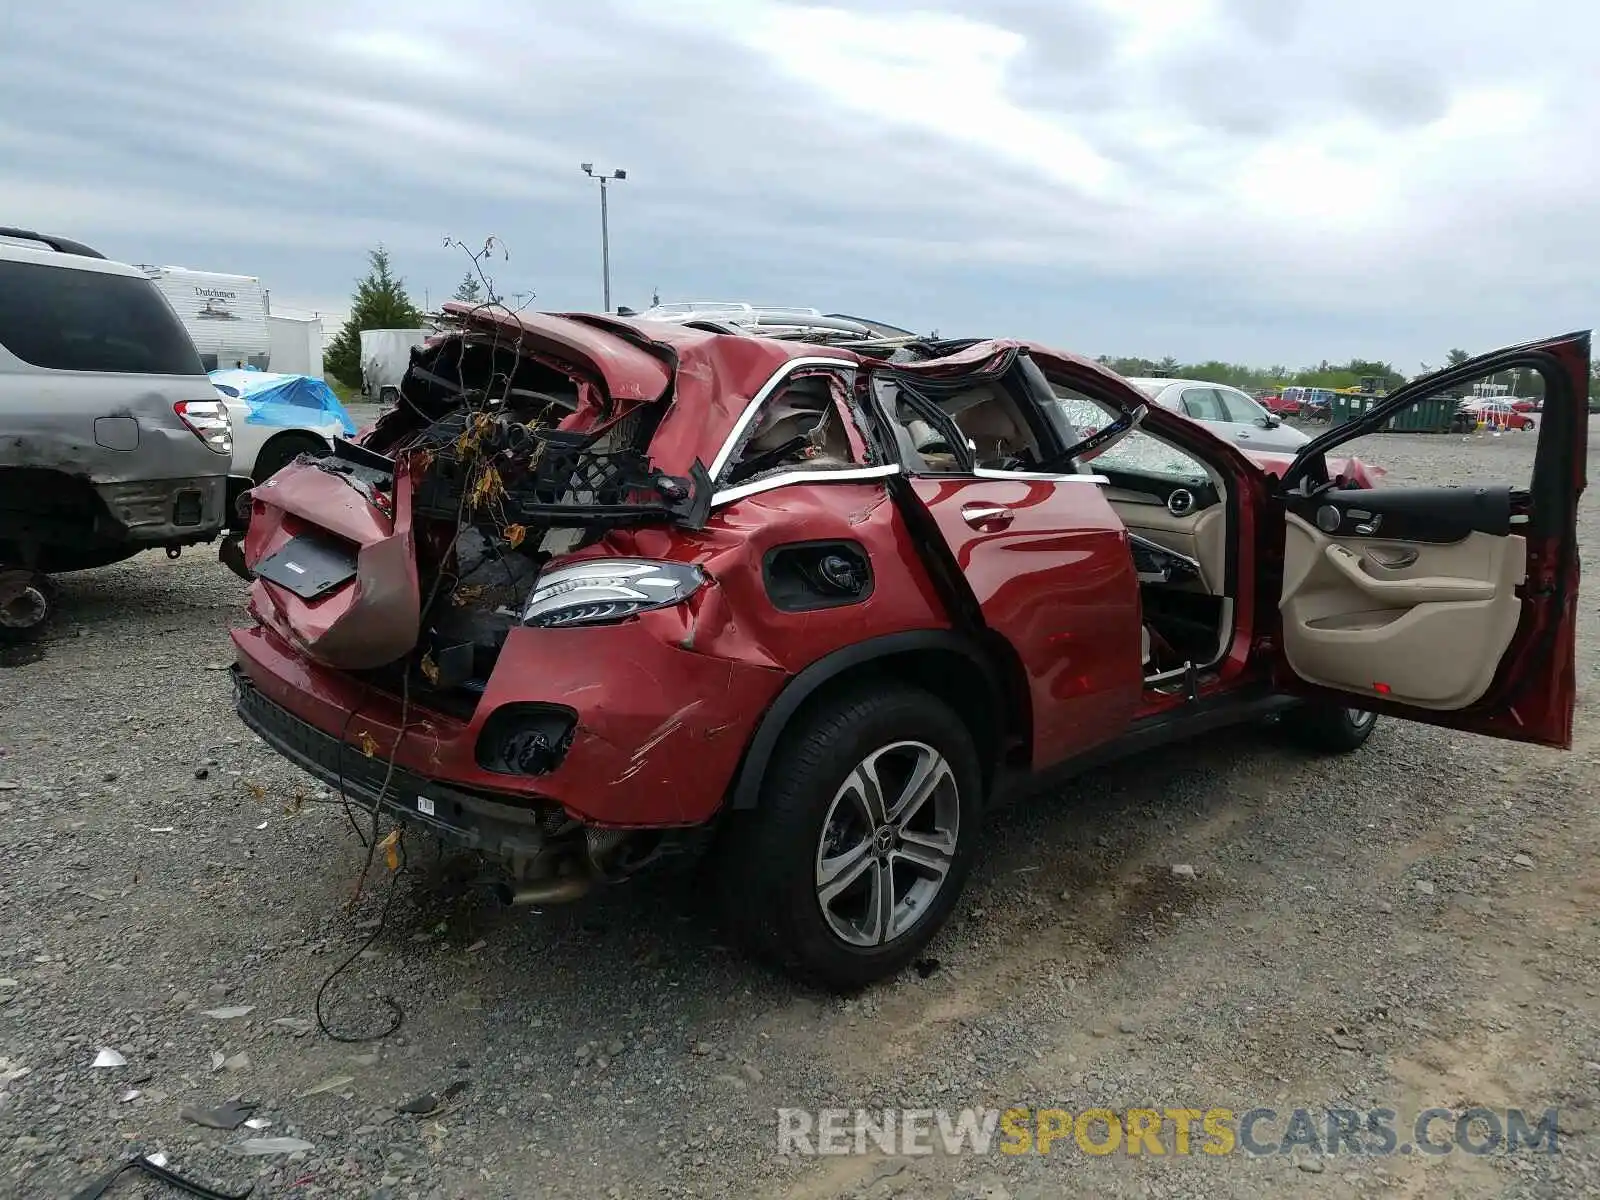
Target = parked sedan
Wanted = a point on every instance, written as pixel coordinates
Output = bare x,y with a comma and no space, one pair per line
1230,413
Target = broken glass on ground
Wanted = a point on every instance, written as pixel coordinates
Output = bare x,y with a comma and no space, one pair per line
271,1145
230,1115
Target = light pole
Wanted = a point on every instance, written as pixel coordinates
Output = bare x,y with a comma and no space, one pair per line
605,229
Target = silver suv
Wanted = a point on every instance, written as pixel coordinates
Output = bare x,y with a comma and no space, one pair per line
112,438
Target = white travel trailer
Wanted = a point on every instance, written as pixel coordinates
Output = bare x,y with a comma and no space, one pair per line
295,345
226,315
385,355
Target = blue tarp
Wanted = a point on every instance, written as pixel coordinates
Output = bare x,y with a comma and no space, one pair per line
282,399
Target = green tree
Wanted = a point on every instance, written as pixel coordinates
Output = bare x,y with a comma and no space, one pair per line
1455,358
1256,379
1129,368
469,290
380,302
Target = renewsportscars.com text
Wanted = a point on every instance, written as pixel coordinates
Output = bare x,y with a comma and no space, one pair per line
1165,1131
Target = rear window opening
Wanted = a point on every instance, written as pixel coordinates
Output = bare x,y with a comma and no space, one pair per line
801,425
72,320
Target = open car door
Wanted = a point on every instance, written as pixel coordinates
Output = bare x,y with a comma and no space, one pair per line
1450,605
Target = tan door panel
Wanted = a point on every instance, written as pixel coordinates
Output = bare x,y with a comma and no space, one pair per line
1200,536
1429,621
1211,548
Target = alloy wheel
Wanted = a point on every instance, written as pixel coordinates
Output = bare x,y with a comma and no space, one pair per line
888,843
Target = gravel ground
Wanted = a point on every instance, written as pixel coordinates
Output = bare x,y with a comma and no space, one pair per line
1410,926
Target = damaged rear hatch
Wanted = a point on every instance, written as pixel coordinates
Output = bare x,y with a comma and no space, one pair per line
517,438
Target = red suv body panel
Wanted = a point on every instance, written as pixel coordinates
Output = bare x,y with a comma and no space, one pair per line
645,755
713,378
1055,579
662,728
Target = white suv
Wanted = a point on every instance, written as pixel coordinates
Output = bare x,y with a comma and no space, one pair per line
112,439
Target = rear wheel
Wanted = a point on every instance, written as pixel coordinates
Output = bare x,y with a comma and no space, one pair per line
1329,727
863,837
27,602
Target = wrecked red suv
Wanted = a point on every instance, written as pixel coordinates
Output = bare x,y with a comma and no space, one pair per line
596,586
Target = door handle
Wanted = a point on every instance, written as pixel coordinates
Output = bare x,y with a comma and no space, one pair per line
1392,558
1242,435
1406,593
987,518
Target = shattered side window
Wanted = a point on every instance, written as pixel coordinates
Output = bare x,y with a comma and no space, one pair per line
809,422
1138,451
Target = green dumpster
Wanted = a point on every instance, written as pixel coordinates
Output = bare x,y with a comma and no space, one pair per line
1430,415
1348,406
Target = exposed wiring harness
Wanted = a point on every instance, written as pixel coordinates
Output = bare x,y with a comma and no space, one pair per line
370,840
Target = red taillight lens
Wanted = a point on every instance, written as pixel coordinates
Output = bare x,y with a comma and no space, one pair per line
208,420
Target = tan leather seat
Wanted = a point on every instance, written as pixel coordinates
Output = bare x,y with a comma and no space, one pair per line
995,429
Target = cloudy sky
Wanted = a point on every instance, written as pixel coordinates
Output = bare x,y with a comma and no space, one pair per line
1273,181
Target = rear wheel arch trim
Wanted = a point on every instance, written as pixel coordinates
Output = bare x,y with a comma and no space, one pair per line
745,791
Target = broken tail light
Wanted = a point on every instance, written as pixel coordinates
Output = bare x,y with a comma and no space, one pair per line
208,420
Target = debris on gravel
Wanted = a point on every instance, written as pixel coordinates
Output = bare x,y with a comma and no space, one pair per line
224,1116
271,1145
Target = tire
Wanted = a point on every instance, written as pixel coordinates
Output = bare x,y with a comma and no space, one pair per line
1329,728
283,450
769,863
27,603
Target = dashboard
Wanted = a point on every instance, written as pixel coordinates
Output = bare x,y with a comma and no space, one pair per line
1181,497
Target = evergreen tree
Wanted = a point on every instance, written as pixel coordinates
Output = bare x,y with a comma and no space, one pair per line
380,302
469,290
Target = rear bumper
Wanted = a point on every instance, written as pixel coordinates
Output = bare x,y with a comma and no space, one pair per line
659,734
164,512
471,821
